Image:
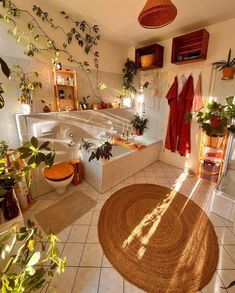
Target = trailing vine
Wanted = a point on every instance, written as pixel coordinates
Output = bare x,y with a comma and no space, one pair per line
86,37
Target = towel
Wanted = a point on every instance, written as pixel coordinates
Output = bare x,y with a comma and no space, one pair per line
197,101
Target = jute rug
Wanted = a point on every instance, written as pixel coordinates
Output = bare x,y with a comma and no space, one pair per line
158,239
62,214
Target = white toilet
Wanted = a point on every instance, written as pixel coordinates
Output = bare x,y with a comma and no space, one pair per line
59,176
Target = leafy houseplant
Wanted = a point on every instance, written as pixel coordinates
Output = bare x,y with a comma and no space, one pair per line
129,71
230,110
16,165
26,86
226,65
139,124
29,259
101,152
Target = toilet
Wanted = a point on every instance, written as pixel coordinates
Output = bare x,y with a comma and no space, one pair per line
59,176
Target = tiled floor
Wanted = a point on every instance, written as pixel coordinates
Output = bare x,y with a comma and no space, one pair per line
89,271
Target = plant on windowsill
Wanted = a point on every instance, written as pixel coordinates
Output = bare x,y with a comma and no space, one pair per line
29,260
226,65
139,124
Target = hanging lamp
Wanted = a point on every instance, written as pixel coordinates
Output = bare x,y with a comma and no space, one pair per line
157,13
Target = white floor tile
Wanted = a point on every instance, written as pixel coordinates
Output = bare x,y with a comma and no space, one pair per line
227,277
64,282
78,233
130,288
92,255
110,281
87,280
73,253
225,261
214,286
225,236
93,235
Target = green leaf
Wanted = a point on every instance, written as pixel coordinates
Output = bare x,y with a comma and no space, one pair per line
34,259
5,69
34,142
44,145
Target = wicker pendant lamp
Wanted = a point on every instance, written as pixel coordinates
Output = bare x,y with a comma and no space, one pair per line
157,13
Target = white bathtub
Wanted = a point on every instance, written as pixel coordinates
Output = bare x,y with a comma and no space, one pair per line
223,200
105,174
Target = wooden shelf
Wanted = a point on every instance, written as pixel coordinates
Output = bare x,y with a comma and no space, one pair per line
155,49
67,89
190,47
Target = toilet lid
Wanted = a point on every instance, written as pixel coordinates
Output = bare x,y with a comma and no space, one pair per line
59,171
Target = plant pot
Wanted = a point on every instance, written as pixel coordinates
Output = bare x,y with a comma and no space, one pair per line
137,132
228,73
10,208
147,60
46,109
104,105
96,106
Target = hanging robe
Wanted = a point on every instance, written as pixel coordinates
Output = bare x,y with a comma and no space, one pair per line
185,102
198,102
171,135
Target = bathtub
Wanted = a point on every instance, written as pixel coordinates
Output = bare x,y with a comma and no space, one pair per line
223,200
105,174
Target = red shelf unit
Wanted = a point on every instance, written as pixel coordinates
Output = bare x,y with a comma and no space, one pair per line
155,49
190,47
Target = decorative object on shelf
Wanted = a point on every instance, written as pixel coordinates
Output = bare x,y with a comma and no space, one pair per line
66,91
149,57
227,66
96,106
26,87
211,156
139,124
104,105
46,107
58,66
7,72
31,261
16,165
190,47
157,13
84,103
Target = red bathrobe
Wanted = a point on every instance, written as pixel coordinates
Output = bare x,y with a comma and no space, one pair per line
171,135
185,102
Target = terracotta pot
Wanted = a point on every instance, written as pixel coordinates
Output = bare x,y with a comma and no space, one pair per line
46,109
104,105
137,132
147,60
228,73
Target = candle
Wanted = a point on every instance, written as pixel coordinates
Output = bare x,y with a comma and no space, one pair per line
123,128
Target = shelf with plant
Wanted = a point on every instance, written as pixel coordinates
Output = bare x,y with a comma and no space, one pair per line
139,124
227,66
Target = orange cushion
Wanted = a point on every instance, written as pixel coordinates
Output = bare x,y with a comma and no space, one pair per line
59,171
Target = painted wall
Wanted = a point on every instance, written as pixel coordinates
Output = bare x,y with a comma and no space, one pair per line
221,39
112,57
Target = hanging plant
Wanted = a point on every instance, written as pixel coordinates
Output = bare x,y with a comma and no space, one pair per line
81,32
129,72
26,86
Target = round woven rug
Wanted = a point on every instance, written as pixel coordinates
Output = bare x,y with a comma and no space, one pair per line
158,239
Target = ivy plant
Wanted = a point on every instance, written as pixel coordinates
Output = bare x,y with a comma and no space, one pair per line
7,72
30,259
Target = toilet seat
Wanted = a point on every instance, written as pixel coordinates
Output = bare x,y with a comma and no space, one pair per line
59,172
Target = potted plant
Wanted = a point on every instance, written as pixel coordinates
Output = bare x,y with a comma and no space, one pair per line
226,65
139,124
27,87
46,107
213,120
230,111
16,165
29,260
